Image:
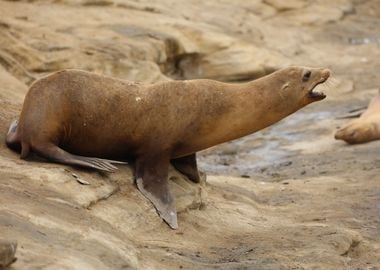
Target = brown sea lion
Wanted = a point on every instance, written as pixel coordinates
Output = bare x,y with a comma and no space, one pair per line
78,118
365,128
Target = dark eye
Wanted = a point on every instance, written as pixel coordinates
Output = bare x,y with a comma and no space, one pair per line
306,76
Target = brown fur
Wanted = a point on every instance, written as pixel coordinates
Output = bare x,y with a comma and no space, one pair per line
364,129
90,115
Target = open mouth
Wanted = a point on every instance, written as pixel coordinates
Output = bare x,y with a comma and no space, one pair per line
315,94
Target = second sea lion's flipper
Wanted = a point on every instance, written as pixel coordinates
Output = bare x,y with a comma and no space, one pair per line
152,181
187,165
56,154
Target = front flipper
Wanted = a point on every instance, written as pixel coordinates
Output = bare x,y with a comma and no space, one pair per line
152,181
187,165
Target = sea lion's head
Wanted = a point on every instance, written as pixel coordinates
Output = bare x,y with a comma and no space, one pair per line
299,83
358,132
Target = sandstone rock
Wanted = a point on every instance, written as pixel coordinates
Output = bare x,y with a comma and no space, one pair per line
313,205
314,15
7,253
286,5
11,90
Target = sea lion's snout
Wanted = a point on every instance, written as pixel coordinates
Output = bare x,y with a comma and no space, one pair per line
325,73
341,134
355,133
347,135
319,78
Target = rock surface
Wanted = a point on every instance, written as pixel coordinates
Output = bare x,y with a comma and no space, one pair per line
7,253
289,197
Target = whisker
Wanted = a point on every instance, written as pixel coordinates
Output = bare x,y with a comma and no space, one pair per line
330,84
333,80
324,86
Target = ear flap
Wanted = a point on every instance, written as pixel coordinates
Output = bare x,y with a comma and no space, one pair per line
284,86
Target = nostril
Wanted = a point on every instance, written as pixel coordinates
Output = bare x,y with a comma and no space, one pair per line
326,73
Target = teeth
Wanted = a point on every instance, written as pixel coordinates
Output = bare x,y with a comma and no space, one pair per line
316,94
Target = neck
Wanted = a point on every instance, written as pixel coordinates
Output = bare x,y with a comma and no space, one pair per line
251,107
256,105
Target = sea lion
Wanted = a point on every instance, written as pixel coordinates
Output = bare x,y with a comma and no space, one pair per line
365,128
78,118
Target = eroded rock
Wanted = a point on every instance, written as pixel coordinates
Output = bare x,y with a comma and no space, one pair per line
324,217
7,253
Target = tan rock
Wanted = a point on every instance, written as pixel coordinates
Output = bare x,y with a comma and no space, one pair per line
286,5
7,253
313,206
314,15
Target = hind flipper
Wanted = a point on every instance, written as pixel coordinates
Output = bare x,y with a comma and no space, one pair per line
12,139
56,154
13,127
152,181
187,165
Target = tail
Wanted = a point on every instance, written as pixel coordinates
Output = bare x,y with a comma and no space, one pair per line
13,142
